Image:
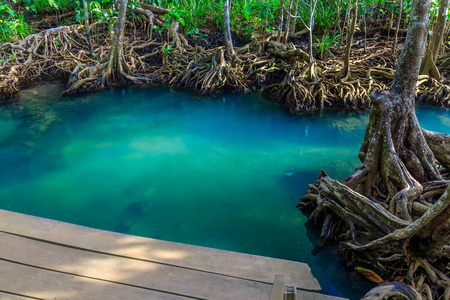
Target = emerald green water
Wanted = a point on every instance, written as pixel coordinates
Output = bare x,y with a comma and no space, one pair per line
223,172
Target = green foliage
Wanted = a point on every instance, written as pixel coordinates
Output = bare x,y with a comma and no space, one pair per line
167,50
245,15
197,35
324,44
190,13
156,2
100,11
325,16
172,16
12,24
51,5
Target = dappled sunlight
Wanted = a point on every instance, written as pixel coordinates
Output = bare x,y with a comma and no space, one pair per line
170,254
115,269
48,293
130,247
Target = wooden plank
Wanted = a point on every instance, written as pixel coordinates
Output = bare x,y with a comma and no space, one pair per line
8,296
43,284
249,267
306,295
278,288
143,274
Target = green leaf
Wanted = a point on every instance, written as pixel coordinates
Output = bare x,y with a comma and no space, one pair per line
182,22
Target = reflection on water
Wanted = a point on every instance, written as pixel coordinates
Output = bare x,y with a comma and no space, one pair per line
223,172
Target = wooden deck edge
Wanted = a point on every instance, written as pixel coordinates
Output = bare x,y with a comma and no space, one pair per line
37,256
239,265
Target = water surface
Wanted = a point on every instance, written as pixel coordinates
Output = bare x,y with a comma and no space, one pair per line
223,172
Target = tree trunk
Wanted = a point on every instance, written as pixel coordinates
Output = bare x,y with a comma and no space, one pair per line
394,153
86,26
428,66
346,68
280,26
311,75
116,64
394,45
288,23
393,207
229,49
293,27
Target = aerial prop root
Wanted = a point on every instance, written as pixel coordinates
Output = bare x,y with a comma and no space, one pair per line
211,73
112,67
38,54
392,239
296,93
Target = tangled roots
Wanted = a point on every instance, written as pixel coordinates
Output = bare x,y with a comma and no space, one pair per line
210,74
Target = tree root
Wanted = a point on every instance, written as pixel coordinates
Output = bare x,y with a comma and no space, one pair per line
44,54
295,93
212,73
392,290
395,206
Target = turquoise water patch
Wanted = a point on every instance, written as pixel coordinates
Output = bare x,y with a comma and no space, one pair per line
224,171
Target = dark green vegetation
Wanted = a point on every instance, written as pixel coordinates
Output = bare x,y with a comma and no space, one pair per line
299,55
392,215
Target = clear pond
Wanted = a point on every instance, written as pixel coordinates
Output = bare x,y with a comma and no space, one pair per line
223,172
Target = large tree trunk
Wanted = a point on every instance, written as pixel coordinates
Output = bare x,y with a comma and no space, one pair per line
394,153
392,205
116,64
428,66
113,67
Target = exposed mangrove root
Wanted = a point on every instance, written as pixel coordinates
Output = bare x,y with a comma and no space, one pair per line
295,93
396,206
212,73
114,67
392,290
165,55
44,54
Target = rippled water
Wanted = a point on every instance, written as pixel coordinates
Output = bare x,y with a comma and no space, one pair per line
223,172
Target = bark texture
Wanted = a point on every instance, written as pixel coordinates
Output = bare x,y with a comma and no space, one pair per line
428,66
351,31
395,208
229,49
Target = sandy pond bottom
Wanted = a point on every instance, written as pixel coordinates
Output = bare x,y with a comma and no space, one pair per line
223,172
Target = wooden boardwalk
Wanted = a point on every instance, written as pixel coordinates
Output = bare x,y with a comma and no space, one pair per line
47,259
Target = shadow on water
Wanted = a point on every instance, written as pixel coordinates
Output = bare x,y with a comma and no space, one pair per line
223,172
295,178
334,280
